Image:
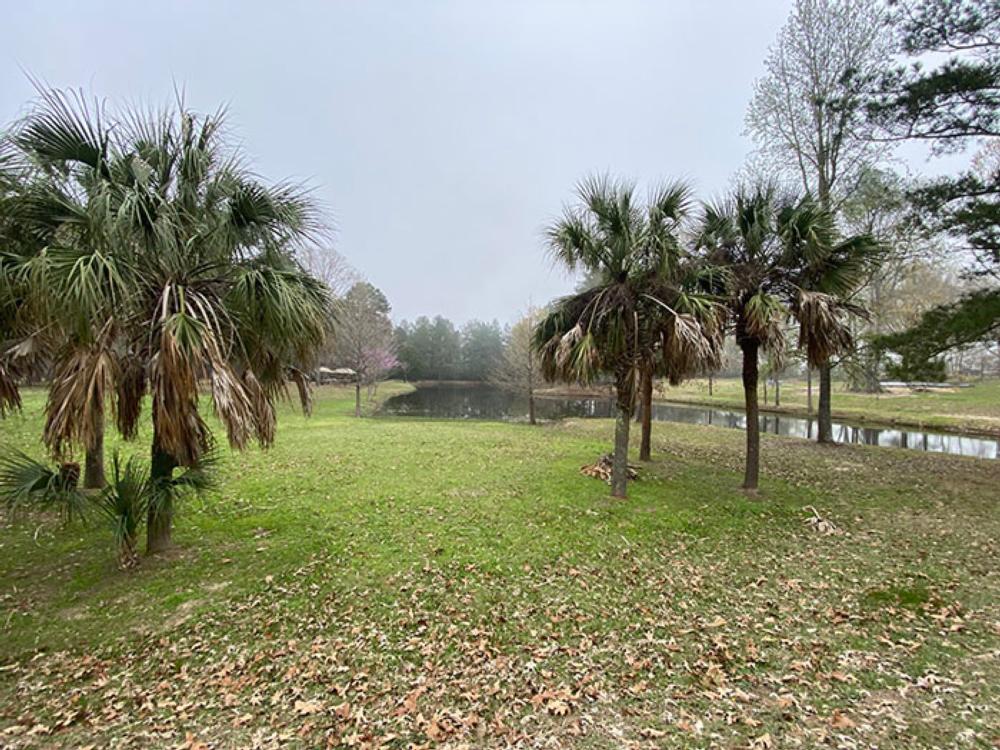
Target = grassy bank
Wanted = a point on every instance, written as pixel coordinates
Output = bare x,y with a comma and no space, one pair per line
381,582
975,408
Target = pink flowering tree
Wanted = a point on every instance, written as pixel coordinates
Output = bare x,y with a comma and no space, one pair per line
363,338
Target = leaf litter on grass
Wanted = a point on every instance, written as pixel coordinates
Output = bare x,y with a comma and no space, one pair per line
756,633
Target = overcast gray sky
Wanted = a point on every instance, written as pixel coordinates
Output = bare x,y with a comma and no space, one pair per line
441,136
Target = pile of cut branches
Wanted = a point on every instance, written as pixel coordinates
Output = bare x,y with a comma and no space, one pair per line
602,469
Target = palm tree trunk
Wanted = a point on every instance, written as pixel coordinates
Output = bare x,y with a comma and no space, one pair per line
825,415
531,407
357,399
809,390
625,386
127,556
93,470
160,517
709,385
753,414
645,448
777,391
619,464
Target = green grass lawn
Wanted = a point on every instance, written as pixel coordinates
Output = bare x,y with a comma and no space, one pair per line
975,408
406,583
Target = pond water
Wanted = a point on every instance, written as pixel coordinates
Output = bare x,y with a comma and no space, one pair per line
454,401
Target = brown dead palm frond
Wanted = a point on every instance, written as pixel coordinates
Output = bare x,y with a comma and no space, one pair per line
28,357
232,403
130,388
566,346
10,395
180,430
74,414
302,386
262,406
823,331
688,347
762,319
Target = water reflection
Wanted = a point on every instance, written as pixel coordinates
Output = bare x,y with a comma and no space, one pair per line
486,402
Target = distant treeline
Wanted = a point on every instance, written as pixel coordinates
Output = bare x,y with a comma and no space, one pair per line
434,349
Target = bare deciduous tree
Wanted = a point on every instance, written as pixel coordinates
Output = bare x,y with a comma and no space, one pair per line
519,369
807,115
330,267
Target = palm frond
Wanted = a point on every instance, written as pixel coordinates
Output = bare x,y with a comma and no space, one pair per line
81,384
10,395
303,388
124,504
197,478
232,403
823,332
130,388
64,127
688,347
173,384
29,484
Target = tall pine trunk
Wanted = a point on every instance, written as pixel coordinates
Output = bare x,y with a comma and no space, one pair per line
357,398
625,387
160,517
752,473
825,415
645,447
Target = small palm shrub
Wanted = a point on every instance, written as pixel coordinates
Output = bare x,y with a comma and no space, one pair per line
27,484
130,497
124,503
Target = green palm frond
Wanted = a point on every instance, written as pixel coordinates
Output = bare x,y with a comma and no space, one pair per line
571,242
279,307
848,265
160,252
65,129
124,504
29,484
90,283
633,252
766,249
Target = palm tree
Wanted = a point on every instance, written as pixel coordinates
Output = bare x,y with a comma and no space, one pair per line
11,293
635,308
22,335
779,258
171,264
687,277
